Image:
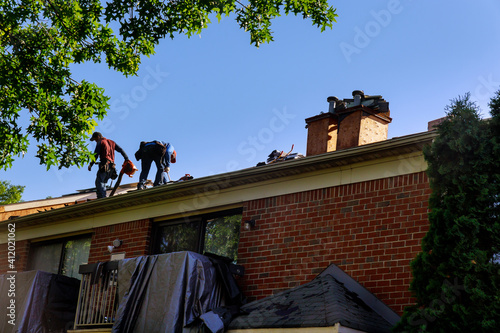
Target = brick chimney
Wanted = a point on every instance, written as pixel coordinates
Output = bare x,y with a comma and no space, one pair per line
349,123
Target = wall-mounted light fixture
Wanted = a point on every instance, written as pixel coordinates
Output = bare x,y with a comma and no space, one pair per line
116,244
250,224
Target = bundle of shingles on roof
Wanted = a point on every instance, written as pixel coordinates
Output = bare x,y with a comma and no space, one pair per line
279,156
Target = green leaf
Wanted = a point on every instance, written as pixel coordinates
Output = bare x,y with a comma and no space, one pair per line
41,40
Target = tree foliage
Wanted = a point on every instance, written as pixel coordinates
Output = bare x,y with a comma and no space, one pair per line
41,40
457,275
10,193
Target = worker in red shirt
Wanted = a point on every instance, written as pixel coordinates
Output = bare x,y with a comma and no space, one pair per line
105,151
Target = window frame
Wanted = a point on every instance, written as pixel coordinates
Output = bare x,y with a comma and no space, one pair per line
156,234
202,228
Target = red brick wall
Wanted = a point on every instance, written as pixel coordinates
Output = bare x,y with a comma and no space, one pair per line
21,257
372,230
135,236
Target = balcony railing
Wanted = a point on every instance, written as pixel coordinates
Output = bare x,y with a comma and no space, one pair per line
97,299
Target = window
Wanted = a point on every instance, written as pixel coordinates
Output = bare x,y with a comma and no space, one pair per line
215,233
179,237
61,256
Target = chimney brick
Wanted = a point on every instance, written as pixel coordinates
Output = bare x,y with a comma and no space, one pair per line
349,123
321,134
359,126
433,124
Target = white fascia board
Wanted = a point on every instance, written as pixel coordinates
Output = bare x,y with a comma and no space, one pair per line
197,204
343,329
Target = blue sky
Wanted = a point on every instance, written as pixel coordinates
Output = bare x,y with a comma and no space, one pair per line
225,104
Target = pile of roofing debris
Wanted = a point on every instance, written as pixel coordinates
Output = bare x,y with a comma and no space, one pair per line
279,156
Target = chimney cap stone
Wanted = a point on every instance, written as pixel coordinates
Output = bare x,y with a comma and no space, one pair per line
332,99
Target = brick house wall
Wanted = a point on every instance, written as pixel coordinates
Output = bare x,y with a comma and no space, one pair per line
21,257
136,236
372,230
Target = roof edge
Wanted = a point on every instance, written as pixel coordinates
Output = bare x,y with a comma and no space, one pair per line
371,300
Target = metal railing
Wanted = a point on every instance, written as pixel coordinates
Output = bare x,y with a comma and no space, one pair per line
97,299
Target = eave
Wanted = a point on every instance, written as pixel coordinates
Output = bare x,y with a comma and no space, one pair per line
393,147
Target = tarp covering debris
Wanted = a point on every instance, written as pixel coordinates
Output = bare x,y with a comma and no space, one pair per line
37,301
166,292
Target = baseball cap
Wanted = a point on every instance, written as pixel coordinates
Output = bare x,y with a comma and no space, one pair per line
96,136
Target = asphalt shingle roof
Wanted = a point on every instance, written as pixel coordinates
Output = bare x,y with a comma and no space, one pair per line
323,302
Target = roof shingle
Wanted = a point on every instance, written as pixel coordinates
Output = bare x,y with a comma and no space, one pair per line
323,302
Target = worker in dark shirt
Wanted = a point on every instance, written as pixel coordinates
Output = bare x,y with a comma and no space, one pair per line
162,153
105,151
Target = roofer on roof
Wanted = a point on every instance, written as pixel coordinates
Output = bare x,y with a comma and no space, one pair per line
162,153
105,150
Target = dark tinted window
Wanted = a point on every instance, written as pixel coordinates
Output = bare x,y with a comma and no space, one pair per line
179,237
61,256
214,233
